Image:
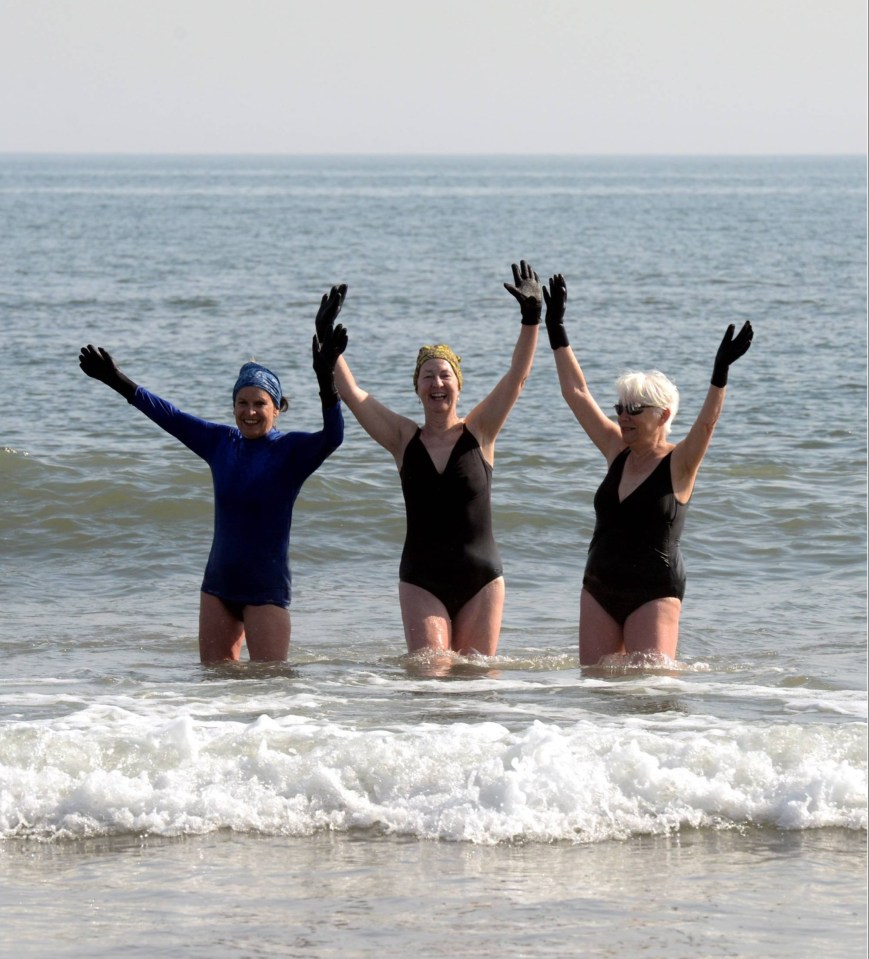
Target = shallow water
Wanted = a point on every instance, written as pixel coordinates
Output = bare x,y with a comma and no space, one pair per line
693,894
354,801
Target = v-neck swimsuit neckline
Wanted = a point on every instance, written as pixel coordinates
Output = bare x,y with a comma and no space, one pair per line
623,456
459,439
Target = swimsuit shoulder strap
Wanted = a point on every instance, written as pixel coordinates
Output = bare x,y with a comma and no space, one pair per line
618,464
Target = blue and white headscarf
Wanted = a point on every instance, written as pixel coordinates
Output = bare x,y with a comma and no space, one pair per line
253,374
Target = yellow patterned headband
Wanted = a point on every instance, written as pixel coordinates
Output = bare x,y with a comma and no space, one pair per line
440,351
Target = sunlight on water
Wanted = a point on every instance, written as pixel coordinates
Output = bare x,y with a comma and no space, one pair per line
750,748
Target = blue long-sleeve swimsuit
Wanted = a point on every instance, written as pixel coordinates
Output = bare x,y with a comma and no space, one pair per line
256,483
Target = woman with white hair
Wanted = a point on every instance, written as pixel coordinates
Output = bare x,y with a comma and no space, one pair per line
634,579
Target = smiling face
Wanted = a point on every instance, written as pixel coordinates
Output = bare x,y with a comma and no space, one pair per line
437,386
255,412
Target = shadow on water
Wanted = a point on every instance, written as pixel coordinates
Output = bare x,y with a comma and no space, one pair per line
444,664
634,664
629,683
220,672
622,686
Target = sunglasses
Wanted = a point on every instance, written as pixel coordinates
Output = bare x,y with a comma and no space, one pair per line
632,409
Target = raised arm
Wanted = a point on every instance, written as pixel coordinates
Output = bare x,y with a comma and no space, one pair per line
328,344
490,414
98,364
601,430
390,430
688,455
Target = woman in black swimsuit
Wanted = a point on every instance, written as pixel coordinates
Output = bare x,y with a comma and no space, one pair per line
451,587
634,579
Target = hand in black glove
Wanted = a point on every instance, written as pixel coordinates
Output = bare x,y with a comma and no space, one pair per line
330,307
325,354
732,347
556,304
526,289
98,363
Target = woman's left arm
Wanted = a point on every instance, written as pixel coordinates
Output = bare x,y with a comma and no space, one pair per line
688,455
489,415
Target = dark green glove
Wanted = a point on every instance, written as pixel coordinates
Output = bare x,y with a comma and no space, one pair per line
556,304
526,288
732,347
98,363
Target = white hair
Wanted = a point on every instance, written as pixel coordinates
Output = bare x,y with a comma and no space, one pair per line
649,388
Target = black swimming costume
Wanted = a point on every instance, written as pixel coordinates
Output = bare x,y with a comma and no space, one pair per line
634,555
449,548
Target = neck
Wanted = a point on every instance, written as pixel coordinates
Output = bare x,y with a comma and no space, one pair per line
441,422
648,450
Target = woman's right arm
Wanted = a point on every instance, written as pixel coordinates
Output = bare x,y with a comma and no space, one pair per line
97,363
601,430
197,435
392,431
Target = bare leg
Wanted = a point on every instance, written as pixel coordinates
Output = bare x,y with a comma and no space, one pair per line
268,633
599,634
477,626
221,635
426,622
654,628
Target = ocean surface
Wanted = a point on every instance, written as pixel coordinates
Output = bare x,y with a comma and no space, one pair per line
354,802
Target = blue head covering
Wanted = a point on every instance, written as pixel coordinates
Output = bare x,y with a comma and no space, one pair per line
253,374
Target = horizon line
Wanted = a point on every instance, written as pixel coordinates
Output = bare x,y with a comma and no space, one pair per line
428,155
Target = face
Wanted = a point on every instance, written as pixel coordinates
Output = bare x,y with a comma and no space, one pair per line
437,386
255,412
641,425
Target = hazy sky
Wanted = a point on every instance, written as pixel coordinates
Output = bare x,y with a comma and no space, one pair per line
453,76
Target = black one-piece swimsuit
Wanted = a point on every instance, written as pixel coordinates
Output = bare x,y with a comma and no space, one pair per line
449,548
634,555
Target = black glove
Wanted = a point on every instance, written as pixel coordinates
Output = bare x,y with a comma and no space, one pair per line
330,307
98,363
326,353
526,289
327,347
732,347
556,303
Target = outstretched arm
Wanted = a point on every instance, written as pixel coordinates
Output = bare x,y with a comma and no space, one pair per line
98,363
688,455
490,414
196,434
601,430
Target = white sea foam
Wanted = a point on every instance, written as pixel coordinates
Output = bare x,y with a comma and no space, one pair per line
477,782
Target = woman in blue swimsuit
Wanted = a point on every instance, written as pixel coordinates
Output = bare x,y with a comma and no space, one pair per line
451,587
257,472
634,579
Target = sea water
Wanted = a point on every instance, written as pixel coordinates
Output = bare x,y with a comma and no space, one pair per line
355,802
